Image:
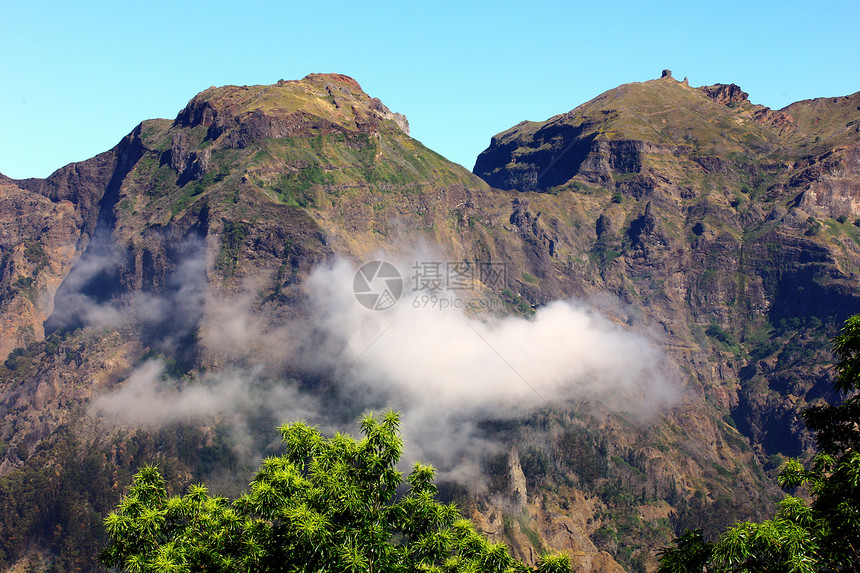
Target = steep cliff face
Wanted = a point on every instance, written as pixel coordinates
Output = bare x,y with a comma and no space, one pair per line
46,224
724,229
726,220
38,243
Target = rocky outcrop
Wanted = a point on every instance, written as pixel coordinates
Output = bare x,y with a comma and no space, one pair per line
832,184
385,113
725,94
517,480
39,241
779,120
551,157
189,164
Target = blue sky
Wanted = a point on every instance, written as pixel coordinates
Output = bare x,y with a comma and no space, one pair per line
75,78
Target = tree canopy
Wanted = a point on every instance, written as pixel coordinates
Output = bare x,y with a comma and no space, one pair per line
822,535
337,505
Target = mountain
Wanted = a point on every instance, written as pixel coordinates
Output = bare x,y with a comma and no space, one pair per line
179,273
727,220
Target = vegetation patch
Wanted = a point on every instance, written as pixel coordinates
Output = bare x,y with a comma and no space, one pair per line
232,239
531,279
517,303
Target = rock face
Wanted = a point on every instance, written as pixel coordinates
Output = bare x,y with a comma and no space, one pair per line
517,479
38,244
748,217
725,94
725,228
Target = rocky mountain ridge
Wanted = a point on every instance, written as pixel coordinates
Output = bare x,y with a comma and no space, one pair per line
724,228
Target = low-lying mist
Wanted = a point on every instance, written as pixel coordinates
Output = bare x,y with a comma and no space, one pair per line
446,370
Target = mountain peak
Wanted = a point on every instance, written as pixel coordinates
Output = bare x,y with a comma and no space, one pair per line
331,77
316,104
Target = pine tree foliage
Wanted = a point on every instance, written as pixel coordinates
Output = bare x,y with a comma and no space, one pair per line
335,505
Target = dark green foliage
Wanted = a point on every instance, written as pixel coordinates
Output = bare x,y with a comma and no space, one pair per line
823,535
35,253
689,555
714,330
324,505
292,187
835,427
59,504
16,358
58,497
535,464
585,454
517,302
231,242
192,191
846,347
28,286
603,252
813,226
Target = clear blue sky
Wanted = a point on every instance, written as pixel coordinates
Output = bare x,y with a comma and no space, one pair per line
76,77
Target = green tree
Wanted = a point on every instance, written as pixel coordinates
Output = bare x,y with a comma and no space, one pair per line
324,505
823,535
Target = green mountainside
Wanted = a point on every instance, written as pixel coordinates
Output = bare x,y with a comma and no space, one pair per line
745,217
728,232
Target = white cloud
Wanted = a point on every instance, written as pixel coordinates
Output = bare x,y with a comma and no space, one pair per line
446,371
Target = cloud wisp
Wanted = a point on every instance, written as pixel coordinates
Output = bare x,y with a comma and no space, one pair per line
447,371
